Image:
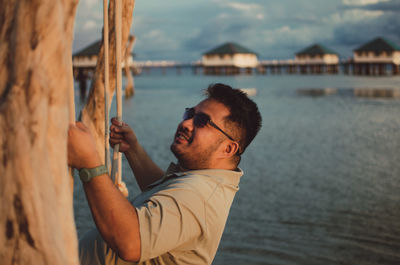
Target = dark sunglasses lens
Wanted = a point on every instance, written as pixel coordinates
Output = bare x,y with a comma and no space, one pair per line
201,120
188,114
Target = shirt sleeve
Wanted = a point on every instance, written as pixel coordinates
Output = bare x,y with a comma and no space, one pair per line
169,220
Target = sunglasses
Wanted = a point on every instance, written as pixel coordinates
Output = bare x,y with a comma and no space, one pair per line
201,119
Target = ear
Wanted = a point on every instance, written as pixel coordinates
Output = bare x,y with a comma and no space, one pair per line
231,148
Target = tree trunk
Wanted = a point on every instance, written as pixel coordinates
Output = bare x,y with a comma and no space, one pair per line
93,113
129,87
36,222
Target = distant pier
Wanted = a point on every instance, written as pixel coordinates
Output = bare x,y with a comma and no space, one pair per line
295,67
379,57
370,68
362,92
272,67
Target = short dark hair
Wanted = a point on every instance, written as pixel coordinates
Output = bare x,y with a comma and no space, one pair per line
244,112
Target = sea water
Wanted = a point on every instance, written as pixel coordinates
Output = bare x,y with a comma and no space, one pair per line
322,178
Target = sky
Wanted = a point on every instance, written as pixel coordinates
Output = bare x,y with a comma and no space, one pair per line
182,30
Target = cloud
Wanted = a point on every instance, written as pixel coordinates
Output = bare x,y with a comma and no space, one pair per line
206,38
275,29
362,2
275,36
242,6
85,38
294,38
156,44
351,16
357,24
249,10
89,21
224,27
373,5
90,24
260,16
386,6
90,3
358,32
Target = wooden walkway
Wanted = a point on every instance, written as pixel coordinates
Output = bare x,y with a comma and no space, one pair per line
272,67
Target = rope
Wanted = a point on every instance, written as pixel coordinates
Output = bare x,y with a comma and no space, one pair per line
106,86
71,108
117,162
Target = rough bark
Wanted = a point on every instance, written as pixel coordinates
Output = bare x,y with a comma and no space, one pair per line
36,221
93,113
129,86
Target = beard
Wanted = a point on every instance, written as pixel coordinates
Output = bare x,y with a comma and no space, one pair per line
195,158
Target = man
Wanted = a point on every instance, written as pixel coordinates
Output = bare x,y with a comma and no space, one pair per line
180,215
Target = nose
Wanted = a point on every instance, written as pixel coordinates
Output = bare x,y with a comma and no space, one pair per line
187,124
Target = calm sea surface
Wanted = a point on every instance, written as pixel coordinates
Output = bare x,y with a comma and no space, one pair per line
322,178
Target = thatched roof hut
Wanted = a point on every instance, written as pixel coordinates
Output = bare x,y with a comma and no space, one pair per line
230,54
317,54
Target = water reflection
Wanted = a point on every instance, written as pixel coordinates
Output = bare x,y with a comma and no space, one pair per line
321,183
357,92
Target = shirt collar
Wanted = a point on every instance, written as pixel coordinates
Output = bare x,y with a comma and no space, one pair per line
230,177
227,176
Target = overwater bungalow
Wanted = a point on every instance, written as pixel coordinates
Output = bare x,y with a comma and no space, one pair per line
84,61
87,57
317,59
229,58
375,57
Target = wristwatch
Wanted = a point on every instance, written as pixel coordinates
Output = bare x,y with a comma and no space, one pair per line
86,174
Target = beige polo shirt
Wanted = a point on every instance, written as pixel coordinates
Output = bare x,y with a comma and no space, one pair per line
182,217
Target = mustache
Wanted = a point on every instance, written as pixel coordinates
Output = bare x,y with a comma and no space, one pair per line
184,132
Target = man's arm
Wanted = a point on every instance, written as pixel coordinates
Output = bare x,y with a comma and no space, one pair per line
115,218
143,167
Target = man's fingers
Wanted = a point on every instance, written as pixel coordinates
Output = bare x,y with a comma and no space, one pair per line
124,128
116,122
116,135
114,142
114,130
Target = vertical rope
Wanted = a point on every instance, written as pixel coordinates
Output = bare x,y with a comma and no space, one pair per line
71,108
106,86
118,79
117,162
71,105
119,173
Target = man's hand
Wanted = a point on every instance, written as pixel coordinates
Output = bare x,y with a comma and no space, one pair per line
122,134
82,151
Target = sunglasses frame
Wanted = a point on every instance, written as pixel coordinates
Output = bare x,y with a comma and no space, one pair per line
190,113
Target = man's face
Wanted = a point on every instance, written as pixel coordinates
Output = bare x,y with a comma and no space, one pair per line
196,148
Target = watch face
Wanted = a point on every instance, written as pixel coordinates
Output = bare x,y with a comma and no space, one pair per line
84,174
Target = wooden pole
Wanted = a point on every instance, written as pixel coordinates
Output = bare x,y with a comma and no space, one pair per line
117,158
118,85
106,86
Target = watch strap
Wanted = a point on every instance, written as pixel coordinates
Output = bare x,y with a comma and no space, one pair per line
86,174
